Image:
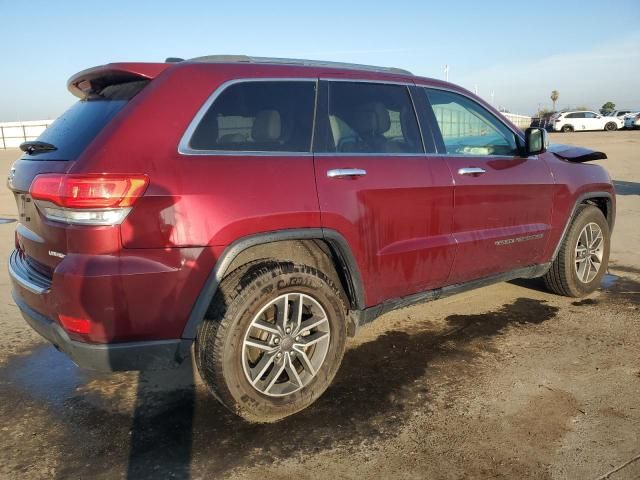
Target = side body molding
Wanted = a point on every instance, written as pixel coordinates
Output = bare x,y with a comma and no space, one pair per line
339,246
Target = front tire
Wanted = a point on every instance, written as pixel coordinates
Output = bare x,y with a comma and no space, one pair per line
273,339
583,257
610,127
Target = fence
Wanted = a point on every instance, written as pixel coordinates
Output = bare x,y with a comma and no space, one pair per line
12,134
520,121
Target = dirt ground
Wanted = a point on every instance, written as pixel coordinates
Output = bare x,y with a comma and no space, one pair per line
503,382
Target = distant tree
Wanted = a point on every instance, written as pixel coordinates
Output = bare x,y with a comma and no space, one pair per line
582,107
555,95
607,108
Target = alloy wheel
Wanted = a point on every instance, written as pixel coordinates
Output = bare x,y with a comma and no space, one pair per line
588,253
286,344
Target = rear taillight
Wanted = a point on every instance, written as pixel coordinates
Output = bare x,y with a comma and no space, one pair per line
87,199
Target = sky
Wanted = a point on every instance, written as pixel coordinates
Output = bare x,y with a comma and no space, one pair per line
588,50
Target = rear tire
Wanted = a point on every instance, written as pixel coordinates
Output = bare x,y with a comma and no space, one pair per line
567,128
582,259
610,127
258,351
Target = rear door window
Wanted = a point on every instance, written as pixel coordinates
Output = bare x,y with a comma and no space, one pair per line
258,116
72,132
371,118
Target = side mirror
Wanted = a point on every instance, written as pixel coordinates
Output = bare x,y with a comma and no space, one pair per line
536,140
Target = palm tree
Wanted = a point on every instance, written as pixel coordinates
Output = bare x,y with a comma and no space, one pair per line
554,98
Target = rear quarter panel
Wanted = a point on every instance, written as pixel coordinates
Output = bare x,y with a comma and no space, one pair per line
195,200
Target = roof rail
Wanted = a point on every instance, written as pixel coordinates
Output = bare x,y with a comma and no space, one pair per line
297,61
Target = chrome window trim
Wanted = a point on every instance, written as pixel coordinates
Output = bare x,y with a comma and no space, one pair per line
356,154
479,157
184,147
519,134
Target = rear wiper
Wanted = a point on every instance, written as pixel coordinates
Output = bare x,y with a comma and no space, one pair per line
33,147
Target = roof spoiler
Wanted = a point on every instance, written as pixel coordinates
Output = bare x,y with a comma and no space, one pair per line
95,79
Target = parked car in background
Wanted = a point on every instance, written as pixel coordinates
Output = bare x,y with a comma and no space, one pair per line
632,121
619,113
543,121
584,120
256,212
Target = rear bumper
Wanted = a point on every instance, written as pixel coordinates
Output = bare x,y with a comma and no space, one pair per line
136,295
148,355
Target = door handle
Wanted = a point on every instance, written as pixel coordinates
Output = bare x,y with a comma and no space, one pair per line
473,171
346,172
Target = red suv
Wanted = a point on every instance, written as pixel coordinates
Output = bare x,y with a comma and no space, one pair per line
261,210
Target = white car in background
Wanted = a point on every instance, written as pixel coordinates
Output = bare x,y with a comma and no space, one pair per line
584,120
632,121
620,113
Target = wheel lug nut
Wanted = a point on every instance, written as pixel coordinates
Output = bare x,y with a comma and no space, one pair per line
276,340
279,355
298,338
288,330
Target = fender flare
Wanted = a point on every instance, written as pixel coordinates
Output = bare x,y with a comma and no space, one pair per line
611,217
338,243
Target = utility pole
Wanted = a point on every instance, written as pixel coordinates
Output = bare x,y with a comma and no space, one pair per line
446,73
492,95
475,89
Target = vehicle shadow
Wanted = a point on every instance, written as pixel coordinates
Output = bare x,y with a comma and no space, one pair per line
626,188
179,427
156,298
536,284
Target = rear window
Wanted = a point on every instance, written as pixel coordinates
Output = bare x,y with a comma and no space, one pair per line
72,132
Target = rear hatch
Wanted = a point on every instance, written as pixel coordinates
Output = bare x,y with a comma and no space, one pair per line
104,92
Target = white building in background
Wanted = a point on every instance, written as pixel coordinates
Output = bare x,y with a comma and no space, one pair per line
12,134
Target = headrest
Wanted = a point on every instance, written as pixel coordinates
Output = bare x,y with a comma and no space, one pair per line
267,126
372,119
